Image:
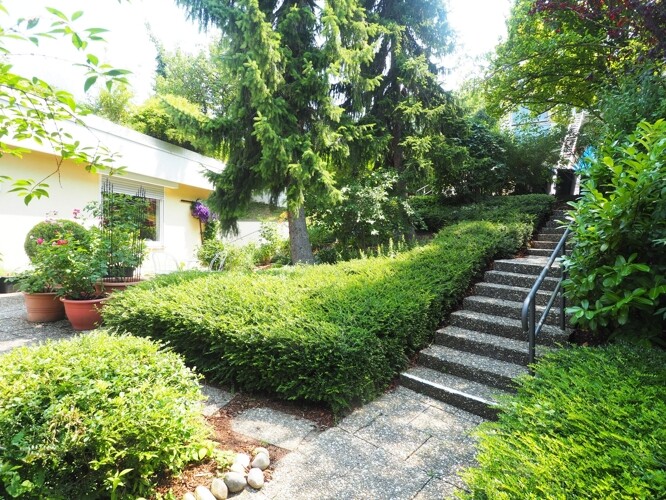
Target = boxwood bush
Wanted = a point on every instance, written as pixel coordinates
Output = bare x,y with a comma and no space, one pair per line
329,333
437,212
590,424
98,416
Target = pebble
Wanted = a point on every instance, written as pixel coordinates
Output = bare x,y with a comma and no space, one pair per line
242,459
260,449
255,478
237,468
203,493
189,496
261,461
235,481
219,489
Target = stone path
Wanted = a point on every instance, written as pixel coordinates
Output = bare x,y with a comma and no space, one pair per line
403,445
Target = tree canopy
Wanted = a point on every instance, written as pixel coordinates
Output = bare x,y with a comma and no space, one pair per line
569,53
34,110
282,126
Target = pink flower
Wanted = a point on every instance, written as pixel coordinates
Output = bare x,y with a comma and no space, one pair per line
76,212
40,241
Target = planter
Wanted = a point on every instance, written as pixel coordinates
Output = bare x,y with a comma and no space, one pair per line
43,307
83,314
6,286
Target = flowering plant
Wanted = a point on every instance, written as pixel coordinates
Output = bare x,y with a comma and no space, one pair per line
200,211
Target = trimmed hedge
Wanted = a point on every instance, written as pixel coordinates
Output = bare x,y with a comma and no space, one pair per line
50,230
436,213
590,424
330,333
98,416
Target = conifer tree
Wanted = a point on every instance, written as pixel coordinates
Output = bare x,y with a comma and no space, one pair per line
282,127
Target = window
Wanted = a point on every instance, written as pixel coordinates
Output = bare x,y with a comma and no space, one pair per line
152,230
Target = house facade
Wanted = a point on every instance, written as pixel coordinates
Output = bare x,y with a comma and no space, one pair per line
170,176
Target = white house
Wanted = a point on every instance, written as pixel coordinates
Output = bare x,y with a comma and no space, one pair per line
171,176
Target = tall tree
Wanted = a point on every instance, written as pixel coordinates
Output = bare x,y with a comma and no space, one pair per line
411,114
566,53
282,127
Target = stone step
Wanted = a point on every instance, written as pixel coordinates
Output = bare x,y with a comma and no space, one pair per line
481,369
542,252
505,327
507,308
527,265
557,222
550,237
467,395
552,230
492,346
549,245
515,293
518,279
559,214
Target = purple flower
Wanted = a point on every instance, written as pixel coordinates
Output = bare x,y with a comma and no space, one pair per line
200,211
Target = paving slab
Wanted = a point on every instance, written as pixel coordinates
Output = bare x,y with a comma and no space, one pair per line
444,459
402,405
444,425
216,399
273,427
337,464
394,437
437,489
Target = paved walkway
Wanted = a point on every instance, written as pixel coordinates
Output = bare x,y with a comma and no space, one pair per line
400,446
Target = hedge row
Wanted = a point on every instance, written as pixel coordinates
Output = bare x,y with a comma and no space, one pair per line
330,333
436,213
590,424
99,416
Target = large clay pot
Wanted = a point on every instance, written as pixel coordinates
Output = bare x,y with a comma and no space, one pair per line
83,314
43,307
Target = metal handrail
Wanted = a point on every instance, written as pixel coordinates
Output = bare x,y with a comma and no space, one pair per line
528,316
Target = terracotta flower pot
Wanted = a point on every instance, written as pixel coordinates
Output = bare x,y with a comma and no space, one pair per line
83,314
43,307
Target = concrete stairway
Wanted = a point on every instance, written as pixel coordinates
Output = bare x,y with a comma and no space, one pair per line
483,348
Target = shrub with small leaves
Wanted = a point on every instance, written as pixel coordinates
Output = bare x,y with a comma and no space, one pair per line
591,424
330,333
99,416
51,230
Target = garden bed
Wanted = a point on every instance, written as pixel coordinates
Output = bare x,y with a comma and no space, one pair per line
335,334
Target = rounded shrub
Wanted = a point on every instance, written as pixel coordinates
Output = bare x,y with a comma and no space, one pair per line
98,416
50,230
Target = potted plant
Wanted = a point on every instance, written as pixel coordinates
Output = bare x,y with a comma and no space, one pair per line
6,280
121,220
38,285
79,266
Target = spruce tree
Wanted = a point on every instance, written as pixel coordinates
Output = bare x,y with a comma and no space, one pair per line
282,127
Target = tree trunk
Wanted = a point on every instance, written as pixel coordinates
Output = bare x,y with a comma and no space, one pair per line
299,240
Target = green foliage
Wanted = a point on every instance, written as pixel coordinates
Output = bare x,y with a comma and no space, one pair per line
208,250
437,212
590,424
49,230
115,104
335,334
367,215
579,53
99,416
35,110
617,270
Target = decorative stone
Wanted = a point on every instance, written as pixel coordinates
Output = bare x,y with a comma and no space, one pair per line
242,459
261,461
189,496
237,468
235,481
260,449
255,478
219,489
203,493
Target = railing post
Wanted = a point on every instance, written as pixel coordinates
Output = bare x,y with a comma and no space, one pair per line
563,319
531,334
